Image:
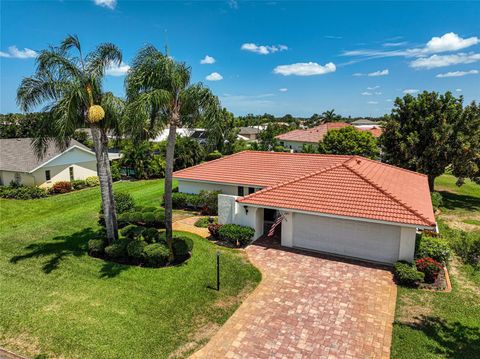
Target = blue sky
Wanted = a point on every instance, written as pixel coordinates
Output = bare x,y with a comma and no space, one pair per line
272,56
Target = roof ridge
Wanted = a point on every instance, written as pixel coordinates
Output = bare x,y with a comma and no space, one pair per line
388,194
295,154
393,166
284,183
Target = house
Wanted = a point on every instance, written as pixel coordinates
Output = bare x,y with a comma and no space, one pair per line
251,133
343,205
19,163
365,123
294,140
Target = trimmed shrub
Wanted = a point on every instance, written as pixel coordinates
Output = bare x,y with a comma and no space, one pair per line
205,221
430,267
155,255
78,184
433,247
115,170
148,218
124,202
92,181
61,187
235,234
407,274
22,192
437,200
214,230
213,156
131,231
136,217
117,250
123,219
151,235
182,246
208,202
96,247
135,249
148,209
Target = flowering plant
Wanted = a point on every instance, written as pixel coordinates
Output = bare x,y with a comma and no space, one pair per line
430,267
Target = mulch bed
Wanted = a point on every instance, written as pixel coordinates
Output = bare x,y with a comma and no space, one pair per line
441,284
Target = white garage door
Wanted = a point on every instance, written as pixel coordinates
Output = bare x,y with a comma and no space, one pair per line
370,241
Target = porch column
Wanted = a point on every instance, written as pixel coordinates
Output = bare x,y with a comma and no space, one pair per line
287,229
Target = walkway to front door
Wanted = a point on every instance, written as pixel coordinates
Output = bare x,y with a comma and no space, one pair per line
309,306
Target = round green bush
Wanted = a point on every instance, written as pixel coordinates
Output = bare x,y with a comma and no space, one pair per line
92,181
155,255
123,219
205,221
132,231
116,250
433,247
407,274
149,209
96,247
235,234
149,219
182,246
22,192
124,202
151,235
135,249
136,217
213,155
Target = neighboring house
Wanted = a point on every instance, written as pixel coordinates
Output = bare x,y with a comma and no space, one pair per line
343,205
294,140
251,133
364,123
19,163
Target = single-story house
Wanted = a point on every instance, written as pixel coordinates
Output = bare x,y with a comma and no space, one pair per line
294,140
19,163
365,123
343,205
251,133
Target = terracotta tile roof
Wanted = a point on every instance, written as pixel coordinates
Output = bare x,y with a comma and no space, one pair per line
259,168
350,186
375,131
311,135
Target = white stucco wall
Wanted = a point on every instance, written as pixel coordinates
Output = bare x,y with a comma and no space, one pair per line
62,173
195,187
229,211
293,145
8,176
407,244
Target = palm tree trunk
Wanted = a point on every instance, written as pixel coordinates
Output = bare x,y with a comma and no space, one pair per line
100,141
169,157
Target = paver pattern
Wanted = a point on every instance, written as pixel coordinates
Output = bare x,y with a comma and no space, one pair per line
309,306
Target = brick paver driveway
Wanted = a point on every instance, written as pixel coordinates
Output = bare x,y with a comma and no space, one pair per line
309,306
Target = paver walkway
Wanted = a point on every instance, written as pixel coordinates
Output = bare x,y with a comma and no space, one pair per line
188,225
309,306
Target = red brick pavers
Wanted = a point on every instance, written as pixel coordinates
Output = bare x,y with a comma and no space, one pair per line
309,306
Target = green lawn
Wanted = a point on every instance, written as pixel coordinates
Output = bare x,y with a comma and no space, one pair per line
58,301
444,325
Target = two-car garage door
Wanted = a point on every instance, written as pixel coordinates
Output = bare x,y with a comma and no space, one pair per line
370,241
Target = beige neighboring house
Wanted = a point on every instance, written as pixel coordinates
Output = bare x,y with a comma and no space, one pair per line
19,163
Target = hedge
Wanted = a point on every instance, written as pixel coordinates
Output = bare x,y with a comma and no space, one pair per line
433,247
407,274
205,201
22,192
235,234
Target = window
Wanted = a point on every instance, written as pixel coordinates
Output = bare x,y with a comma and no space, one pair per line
240,190
47,175
251,190
72,177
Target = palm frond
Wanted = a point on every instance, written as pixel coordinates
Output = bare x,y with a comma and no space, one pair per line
105,55
69,42
54,61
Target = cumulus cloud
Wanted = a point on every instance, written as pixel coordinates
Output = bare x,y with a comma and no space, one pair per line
373,87
373,74
14,53
283,89
458,90
214,76
449,42
106,3
410,91
372,102
305,69
435,61
207,60
117,70
366,93
263,49
458,73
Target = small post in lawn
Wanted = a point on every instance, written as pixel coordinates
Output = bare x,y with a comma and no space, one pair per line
218,270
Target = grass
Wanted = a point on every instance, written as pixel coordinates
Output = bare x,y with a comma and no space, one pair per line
58,301
445,325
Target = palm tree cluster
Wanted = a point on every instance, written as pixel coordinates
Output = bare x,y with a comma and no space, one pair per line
159,94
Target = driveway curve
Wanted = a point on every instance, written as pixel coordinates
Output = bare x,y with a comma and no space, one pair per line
309,306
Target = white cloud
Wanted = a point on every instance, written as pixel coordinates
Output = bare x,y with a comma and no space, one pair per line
366,93
372,102
305,69
106,3
263,49
378,93
207,60
379,73
283,89
214,76
233,4
15,53
458,73
444,60
117,70
449,42
389,100
410,91
394,44
373,87
458,90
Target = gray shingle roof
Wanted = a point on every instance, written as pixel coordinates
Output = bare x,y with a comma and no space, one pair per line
18,155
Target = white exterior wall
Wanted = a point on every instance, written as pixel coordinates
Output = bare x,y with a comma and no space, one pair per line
229,211
62,173
407,244
8,176
293,145
195,187
287,229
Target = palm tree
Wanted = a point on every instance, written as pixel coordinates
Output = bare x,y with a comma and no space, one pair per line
159,95
330,116
69,85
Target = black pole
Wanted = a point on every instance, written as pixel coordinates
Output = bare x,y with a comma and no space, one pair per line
218,270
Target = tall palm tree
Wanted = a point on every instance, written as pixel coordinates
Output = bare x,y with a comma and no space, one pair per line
159,95
330,116
69,86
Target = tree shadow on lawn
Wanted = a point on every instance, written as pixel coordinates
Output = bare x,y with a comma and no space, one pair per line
453,339
454,201
60,247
